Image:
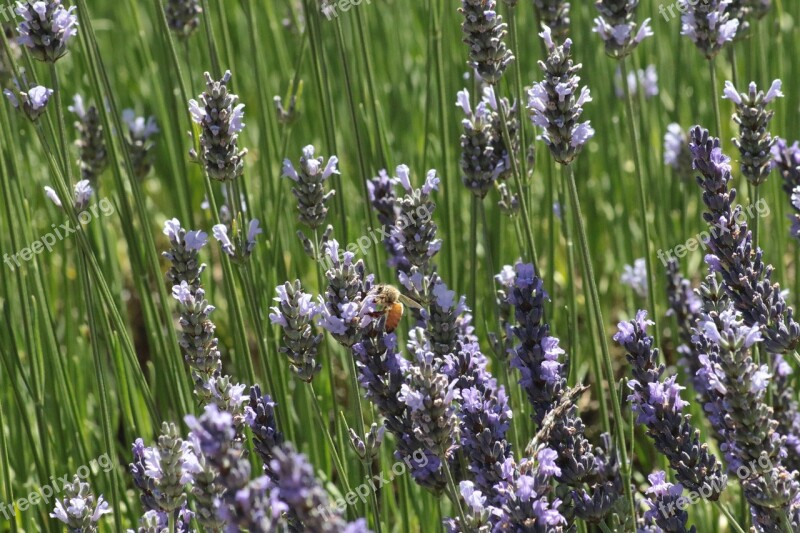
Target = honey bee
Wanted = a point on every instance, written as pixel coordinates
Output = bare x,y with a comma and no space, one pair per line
390,302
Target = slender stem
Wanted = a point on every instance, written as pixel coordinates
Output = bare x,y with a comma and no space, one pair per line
734,524
453,490
324,425
598,316
520,192
637,158
714,96
473,250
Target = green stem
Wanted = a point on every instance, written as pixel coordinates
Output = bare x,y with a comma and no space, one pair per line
324,425
715,96
598,316
634,132
453,490
523,203
734,524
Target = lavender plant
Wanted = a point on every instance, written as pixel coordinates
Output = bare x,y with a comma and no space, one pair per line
710,25
183,16
221,120
30,99
746,277
138,138
617,28
658,405
46,28
93,157
78,509
484,32
295,314
754,141
555,104
555,15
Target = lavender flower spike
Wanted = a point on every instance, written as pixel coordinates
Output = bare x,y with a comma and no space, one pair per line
663,512
91,143
709,25
295,314
183,16
46,29
746,277
555,15
30,99
676,150
635,277
616,26
83,192
659,407
309,188
484,31
78,509
138,138
221,120
184,254
754,142
235,242
786,159
344,309
484,155
555,104
753,447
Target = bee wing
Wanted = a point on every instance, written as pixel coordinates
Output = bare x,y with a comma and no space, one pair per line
409,302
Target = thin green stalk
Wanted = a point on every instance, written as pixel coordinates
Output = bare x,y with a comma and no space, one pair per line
715,97
454,493
598,316
450,178
734,524
648,256
324,425
473,250
520,191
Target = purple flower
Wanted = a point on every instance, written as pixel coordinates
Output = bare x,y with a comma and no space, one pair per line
555,15
617,28
138,138
295,314
744,419
636,277
659,407
183,16
30,99
78,508
754,141
220,119
745,276
46,28
709,25
555,104
485,158
309,188
484,32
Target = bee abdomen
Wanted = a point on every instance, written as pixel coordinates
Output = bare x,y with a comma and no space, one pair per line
393,316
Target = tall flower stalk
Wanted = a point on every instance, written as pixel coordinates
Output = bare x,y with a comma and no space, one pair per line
556,105
618,31
746,277
754,142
